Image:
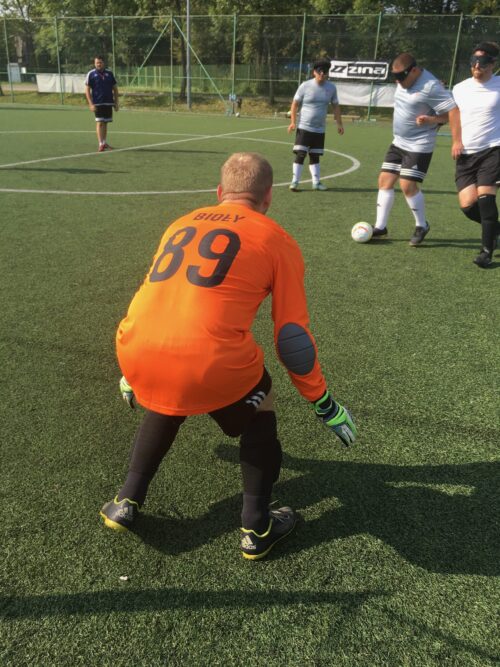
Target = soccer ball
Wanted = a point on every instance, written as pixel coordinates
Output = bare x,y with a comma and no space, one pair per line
362,232
237,114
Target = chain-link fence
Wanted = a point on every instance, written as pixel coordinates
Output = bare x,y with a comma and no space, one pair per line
230,55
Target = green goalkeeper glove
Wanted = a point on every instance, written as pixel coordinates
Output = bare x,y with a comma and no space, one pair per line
336,417
127,392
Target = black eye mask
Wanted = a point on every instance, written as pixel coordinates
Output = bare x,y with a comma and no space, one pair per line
482,61
401,76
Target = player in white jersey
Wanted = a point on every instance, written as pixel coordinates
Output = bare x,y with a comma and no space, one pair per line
421,104
313,98
477,149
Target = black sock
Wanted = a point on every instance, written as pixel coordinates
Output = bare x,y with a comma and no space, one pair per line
489,221
260,461
152,441
255,514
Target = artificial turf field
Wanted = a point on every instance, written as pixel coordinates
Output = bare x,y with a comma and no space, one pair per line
395,558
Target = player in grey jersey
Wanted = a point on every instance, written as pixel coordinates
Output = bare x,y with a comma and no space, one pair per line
313,98
421,104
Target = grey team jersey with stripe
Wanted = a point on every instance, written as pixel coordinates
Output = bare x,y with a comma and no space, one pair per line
314,100
426,97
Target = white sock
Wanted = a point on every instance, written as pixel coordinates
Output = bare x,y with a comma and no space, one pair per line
297,171
314,169
385,200
417,206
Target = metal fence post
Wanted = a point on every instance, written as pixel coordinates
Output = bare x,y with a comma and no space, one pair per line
188,55
9,74
233,59
58,60
171,61
453,64
113,42
374,58
302,48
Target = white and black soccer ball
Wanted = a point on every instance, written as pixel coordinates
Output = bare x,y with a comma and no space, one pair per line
362,232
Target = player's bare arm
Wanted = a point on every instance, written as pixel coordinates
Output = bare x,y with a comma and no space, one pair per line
457,146
424,119
338,118
88,95
293,116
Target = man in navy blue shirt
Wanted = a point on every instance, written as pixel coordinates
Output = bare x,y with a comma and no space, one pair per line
101,92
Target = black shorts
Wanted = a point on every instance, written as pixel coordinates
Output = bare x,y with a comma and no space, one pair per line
481,168
408,165
309,142
104,113
234,419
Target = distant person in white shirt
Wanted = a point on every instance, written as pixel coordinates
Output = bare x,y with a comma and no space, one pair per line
421,105
313,98
477,148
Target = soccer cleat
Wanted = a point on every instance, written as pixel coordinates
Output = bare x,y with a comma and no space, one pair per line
319,186
419,235
119,515
294,186
281,523
107,147
483,259
102,148
379,233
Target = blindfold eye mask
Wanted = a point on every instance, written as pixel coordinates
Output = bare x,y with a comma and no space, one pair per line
401,76
482,61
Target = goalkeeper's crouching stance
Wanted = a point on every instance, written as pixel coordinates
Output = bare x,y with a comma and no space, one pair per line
185,347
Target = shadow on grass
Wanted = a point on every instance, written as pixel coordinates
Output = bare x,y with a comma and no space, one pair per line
63,170
442,518
163,599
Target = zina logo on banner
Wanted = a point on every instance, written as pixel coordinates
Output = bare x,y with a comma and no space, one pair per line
342,69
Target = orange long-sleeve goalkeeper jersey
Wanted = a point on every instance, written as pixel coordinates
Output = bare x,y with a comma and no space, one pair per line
185,345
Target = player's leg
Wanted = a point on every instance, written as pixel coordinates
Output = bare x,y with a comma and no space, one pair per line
153,440
490,227
389,174
300,149
477,178
413,171
254,419
316,150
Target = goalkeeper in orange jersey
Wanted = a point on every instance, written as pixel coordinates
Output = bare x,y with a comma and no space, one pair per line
185,346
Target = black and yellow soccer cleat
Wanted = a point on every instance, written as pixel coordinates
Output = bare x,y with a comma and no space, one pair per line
281,523
120,515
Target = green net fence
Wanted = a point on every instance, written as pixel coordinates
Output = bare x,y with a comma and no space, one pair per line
252,56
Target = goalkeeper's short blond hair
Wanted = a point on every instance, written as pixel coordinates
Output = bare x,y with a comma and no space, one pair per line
246,173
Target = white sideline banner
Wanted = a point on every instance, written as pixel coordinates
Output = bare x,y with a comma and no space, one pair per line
365,94
51,83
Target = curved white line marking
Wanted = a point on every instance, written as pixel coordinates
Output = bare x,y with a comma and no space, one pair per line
355,165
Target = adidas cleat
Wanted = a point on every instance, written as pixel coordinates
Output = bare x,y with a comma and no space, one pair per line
319,186
419,235
281,523
294,186
119,515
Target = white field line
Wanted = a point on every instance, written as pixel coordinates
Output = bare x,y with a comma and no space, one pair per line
133,148
355,165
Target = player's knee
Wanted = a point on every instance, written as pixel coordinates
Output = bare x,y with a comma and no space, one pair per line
296,349
472,212
300,156
313,158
